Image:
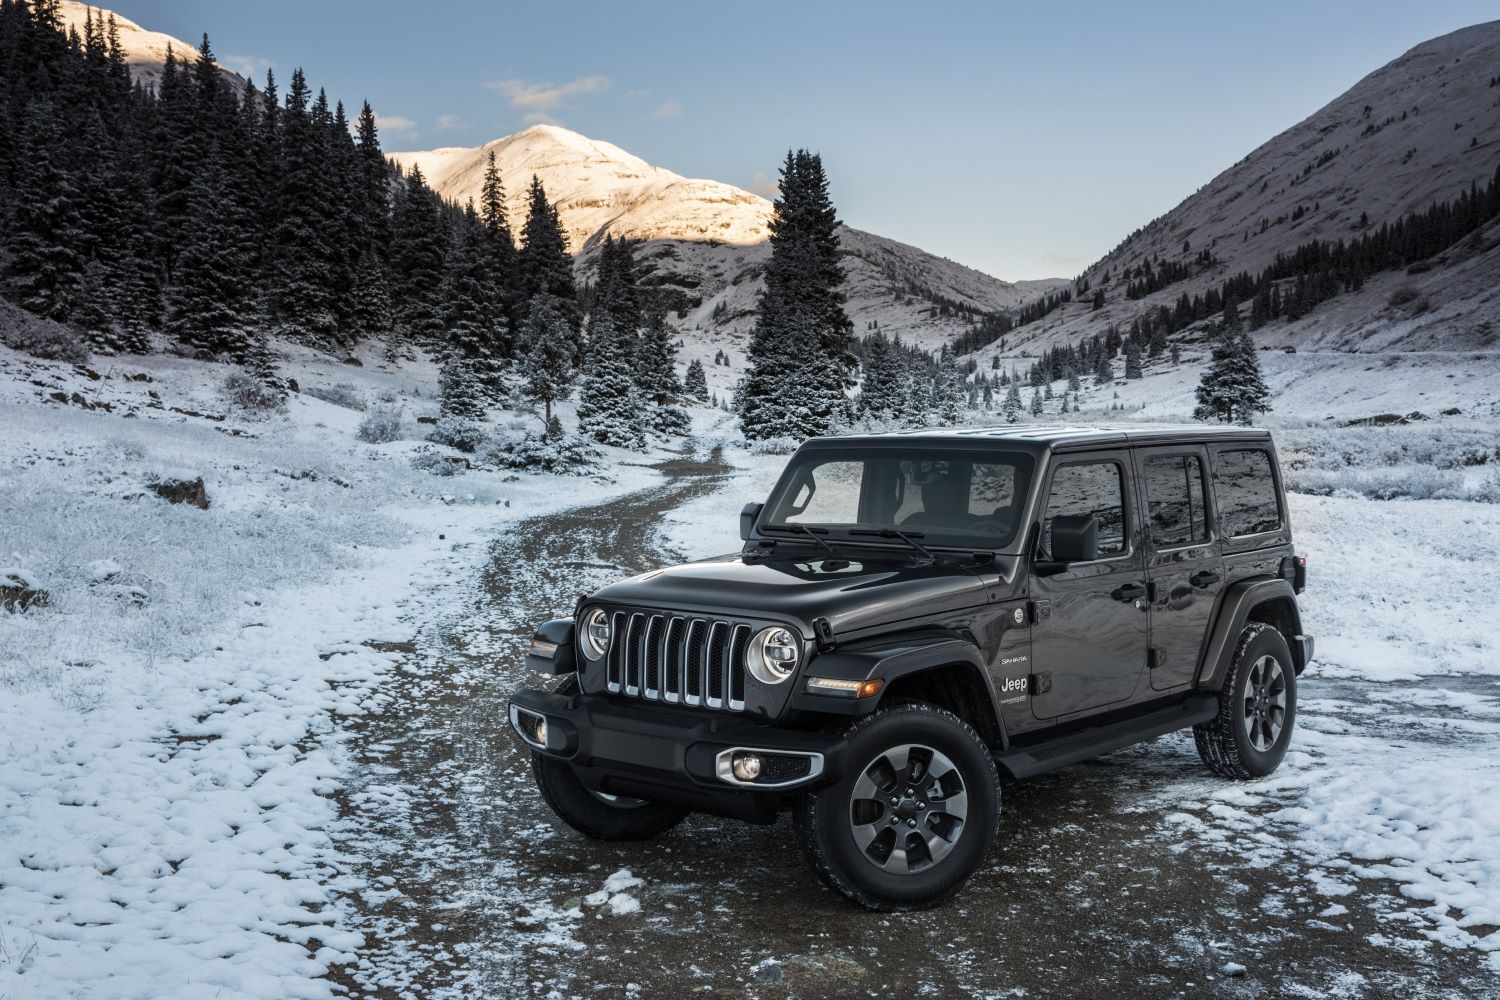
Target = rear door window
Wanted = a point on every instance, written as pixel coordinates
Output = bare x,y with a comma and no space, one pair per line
1174,500
1245,488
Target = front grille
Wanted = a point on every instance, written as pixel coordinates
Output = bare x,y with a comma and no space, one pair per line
677,659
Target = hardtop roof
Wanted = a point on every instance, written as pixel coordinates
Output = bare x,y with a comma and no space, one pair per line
1056,436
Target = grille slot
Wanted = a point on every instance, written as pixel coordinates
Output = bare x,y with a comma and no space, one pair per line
678,659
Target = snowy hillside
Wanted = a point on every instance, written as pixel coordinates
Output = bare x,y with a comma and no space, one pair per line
1420,129
145,51
706,241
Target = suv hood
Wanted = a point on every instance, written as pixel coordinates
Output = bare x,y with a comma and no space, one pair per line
850,592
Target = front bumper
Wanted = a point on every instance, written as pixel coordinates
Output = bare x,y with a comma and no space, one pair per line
679,757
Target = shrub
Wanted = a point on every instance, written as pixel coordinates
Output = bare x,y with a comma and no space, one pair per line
1403,295
1412,482
774,446
556,453
343,394
456,432
40,337
381,425
439,463
246,392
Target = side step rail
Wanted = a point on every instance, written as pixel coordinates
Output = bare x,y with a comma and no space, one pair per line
1084,744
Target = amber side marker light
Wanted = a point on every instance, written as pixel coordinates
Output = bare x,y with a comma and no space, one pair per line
844,688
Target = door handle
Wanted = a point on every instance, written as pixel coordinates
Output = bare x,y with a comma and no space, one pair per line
1203,578
1129,592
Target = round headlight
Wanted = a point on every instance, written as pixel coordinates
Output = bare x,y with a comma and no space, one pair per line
595,634
772,656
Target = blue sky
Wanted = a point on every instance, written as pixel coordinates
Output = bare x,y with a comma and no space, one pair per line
1022,139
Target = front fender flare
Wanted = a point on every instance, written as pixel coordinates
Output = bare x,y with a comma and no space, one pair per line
889,660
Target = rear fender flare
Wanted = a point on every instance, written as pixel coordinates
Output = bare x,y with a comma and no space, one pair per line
1235,607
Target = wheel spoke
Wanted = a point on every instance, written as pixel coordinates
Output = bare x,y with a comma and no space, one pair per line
865,788
938,845
939,766
899,758
898,861
865,834
955,805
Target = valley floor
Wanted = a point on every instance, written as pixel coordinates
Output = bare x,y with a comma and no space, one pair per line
259,750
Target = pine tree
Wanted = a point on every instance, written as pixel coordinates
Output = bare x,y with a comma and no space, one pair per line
801,349
949,385
547,339
656,377
417,264
304,247
543,267
500,245
209,305
880,395
44,267
1232,389
1036,402
371,316
1104,371
468,305
1012,405
1132,359
695,384
609,404
461,387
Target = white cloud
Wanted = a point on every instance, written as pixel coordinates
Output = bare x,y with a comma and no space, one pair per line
250,67
667,109
765,186
1061,260
395,124
538,118
525,95
449,122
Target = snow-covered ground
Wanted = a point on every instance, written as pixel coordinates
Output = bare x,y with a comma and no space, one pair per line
171,718
181,720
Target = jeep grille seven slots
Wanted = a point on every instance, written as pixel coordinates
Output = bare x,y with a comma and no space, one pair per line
912,616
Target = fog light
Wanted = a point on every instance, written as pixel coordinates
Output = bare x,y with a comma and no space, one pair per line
539,730
746,766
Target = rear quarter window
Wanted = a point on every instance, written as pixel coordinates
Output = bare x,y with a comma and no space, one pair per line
1245,487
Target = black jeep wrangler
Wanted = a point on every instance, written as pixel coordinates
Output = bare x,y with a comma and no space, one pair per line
915,615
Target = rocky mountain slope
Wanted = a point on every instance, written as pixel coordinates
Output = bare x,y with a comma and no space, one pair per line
705,241
1418,130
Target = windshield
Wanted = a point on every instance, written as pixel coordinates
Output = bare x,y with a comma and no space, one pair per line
964,499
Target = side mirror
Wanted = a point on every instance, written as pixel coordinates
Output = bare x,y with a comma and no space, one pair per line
1075,538
748,514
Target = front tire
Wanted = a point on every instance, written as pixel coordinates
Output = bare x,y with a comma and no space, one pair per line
596,814
914,816
1257,708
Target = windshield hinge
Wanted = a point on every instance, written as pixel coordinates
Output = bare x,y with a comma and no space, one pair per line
823,632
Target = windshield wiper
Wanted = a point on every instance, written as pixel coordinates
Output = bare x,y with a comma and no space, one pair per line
802,529
909,537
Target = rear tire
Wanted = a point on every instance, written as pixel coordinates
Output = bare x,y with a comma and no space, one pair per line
1257,708
595,814
914,816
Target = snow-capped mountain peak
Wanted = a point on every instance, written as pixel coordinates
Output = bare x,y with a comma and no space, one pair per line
706,241
145,50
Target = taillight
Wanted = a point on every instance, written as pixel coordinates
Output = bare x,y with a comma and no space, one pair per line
1299,573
